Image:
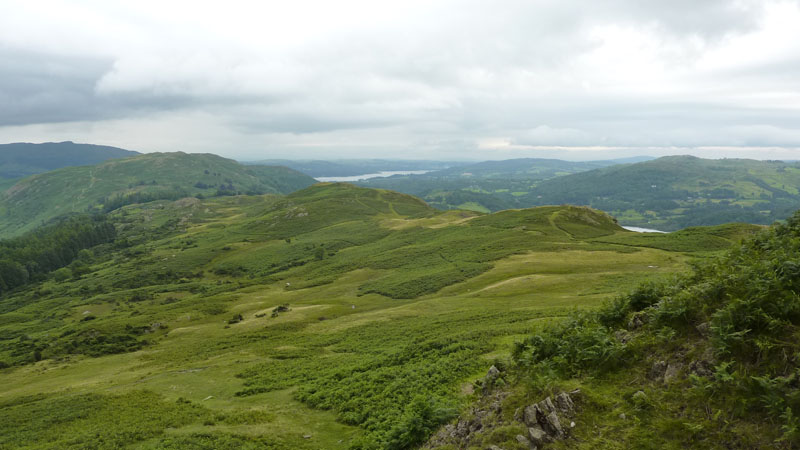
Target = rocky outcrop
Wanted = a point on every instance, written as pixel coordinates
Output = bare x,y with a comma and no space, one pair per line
546,421
486,415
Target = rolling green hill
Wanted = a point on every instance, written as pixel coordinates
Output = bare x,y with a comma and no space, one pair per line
679,191
39,198
668,193
486,186
333,317
20,160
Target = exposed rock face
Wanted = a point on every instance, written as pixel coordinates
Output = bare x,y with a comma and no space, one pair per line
544,422
537,437
564,403
543,419
479,419
485,414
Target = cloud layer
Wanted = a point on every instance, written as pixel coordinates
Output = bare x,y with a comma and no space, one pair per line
416,79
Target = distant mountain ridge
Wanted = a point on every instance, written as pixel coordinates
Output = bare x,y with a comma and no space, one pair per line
353,167
486,186
667,193
536,168
22,159
678,191
105,186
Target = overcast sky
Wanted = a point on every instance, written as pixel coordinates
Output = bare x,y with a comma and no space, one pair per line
406,79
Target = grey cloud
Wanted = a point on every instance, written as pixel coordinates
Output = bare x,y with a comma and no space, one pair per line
610,122
36,88
472,70
303,124
709,19
49,88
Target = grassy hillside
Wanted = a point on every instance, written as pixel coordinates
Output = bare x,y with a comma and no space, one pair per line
667,193
679,191
36,199
486,186
334,317
20,160
705,360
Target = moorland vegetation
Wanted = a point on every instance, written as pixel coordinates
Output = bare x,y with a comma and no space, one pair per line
334,317
707,359
216,311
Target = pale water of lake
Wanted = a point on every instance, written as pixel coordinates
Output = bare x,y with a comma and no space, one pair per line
643,230
367,176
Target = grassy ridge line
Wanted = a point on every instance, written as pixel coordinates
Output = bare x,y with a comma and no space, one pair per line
41,197
20,160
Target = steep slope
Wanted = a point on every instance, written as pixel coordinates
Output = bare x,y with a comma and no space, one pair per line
678,191
38,198
335,317
21,159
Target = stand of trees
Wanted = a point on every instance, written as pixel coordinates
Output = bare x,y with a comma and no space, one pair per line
118,201
32,255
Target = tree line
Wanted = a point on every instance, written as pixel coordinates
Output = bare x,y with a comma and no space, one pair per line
31,256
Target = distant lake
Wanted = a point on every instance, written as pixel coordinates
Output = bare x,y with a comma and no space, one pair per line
367,176
643,230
